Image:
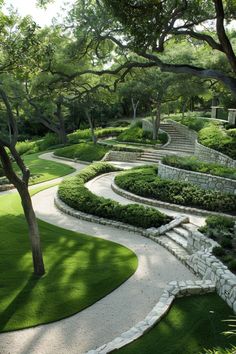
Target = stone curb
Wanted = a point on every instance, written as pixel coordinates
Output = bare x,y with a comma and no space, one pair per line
157,203
103,221
173,290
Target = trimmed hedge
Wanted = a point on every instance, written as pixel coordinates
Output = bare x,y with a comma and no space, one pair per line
145,182
84,152
73,192
193,164
221,229
136,134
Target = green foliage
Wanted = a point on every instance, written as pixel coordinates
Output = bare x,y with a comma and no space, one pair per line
193,164
218,251
191,121
85,134
145,182
136,134
216,137
84,152
73,192
221,229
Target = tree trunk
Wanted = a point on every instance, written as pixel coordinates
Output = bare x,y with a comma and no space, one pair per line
184,105
94,138
22,187
157,120
135,106
62,130
33,230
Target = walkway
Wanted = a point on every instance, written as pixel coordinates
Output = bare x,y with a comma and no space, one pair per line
115,313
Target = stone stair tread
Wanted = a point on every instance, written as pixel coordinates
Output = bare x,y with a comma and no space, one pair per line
190,227
177,238
174,246
182,232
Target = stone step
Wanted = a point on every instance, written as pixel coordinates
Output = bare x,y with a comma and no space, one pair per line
177,238
173,246
179,148
182,232
189,227
156,160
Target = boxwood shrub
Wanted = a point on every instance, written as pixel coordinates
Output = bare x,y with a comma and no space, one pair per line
73,192
144,181
193,164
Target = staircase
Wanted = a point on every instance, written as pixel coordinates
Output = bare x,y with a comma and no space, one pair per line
179,140
176,240
179,145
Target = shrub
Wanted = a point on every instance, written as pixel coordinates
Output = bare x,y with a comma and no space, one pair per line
193,164
216,137
84,152
136,134
232,265
176,192
24,147
226,243
218,251
220,222
85,134
192,122
73,192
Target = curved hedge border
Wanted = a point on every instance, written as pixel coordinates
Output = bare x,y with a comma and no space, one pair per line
145,182
73,192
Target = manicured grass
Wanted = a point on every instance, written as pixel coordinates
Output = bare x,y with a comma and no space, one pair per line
84,152
80,270
192,325
43,170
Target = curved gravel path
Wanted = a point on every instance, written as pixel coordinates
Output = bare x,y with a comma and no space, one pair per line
114,314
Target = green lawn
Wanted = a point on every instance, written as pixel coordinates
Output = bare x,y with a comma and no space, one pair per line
80,270
43,170
193,324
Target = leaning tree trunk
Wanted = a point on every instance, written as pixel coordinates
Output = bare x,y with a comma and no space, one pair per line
21,184
33,230
62,130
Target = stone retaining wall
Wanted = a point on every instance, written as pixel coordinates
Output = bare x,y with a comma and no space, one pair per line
202,180
6,187
209,155
199,242
173,290
210,268
121,156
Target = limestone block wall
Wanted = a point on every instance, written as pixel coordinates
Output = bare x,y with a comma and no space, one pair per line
121,156
202,180
198,242
210,268
209,155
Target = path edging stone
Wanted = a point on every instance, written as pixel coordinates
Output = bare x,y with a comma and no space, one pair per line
173,290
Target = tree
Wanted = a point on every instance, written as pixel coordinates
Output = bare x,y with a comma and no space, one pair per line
18,45
147,27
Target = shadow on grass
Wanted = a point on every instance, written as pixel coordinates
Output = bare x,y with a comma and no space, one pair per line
80,270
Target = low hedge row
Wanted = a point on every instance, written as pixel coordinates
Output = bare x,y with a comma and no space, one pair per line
145,182
84,152
73,192
193,164
136,134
